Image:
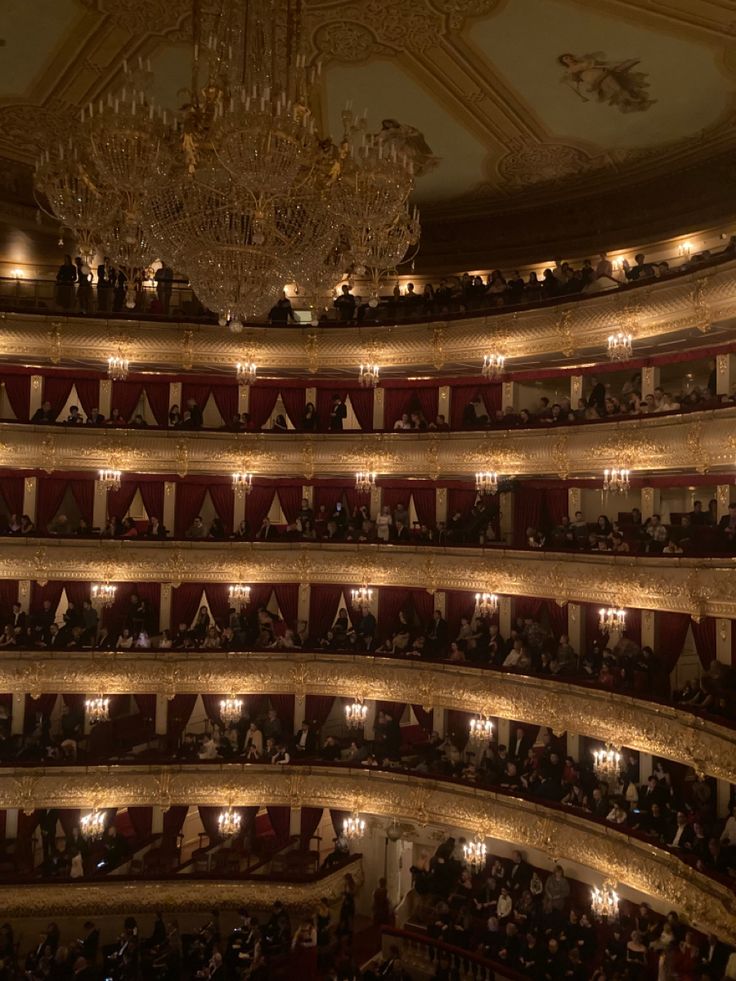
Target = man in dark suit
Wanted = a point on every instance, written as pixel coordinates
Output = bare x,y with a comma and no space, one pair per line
305,741
338,412
89,943
727,529
437,634
45,414
714,957
106,277
681,835
521,743
18,617
195,414
519,875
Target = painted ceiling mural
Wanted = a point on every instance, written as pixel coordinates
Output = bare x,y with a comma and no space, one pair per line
493,98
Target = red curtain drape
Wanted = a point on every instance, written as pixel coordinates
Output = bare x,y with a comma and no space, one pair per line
287,596
393,496
394,709
223,499
284,705
11,490
173,823
209,817
157,394
323,602
460,395
425,502
425,717
212,706
591,631
291,500
226,400
68,818
528,607
633,625
88,390
422,604
362,400
400,399
43,706
458,604
83,492
294,400
8,596
179,712
672,631
392,600
557,618
125,397
51,491
219,601
141,819
184,603
258,504
189,500
261,402
280,818
152,495
309,822
317,709
460,499
56,389
18,390
704,635
338,818
328,496
50,591
554,505
118,502
146,706
527,511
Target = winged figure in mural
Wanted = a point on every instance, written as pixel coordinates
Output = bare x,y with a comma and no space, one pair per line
594,77
409,140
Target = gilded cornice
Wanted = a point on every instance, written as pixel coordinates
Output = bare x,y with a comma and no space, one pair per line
701,441
186,894
701,300
707,904
659,730
700,587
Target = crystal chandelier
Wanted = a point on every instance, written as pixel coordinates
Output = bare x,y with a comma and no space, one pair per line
607,764
493,366
365,481
616,481
611,620
243,482
486,604
231,710
110,479
239,594
474,853
356,713
228,823
92,825
487,482
117,367
619,346
102,594
368,375
353,827
604,901
363,596
97,709
480,729
245,372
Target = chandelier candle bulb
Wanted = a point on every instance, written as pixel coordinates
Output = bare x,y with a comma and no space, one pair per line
486,604
117,367
97,709
245,370
243,482
604,901
231,710
92,825
365,481
368,375
493,365
353,827
363,596
607,765
611,620
480,729
356,714
228,823
110,479
620,346
474,853
616,481
103,594
486,482
239,594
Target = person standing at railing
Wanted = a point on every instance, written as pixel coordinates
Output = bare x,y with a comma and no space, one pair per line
105,285
66,277
84,286
164,278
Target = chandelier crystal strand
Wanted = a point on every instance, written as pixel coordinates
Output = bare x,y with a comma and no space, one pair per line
486,482
361,597
616,481
486,604
117,367
110,479
474,853
611,620
353,827
493,366
229,823
231,710
92,825
245,372
239,594
607,764
365,481
356,714
480,729
243,482
102,594
604,901
97,709
620,346
368,375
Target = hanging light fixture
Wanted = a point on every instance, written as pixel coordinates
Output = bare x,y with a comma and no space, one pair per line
102,595
604,901
474,853
239,594
228,823
480,729
493,366
362,596
486,604
353,827
607,764
117,367
486,482
365,481
620,346
92,825
245,372
611,620
368,375
356,713
616,481
110,479
97,709
231,710
243,482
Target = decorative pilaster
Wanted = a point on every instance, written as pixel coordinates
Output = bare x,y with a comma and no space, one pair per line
99,506
509,395
649,381
378,420
30,496
444,405
169,515
165,607
36,394
105,397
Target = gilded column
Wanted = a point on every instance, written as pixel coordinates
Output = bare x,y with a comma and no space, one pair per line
36,394
509,395
575,627
444,405
724,638
30,493
504,616
723,499
175,395
162,712
157,820
303,602
24,594
725,373
99,506
506,516
378,421
18,713
441,504
238,508
574,500
169,515
648,628
375,502
243,398
649,502
440,602
649,381
105,398
165,607
504,732
310,395
576,390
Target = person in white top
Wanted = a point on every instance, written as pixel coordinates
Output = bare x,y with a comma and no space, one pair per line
383,524
505,905
728,835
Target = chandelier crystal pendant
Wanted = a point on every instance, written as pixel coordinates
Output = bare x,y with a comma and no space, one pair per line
607,764
369,375
361,597
480,729
365,481
493,366
231,710
102,595
620,346
486,604
611,620
356,714
92,825
353,827
110,479
486,482
239,594
229,823
474,853
616,481
243,482
604,901
245,372
117,367
97,709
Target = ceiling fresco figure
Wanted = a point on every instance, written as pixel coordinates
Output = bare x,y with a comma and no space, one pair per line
592,76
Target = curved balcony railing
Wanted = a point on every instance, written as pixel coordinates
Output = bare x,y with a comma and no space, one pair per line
625,857
648,724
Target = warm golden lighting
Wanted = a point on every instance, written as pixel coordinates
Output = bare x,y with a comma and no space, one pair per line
607,764
486,482
353,827
228,823
231,710
239,594
362,596
117,367
486,604
493,366
616,481
620,346
365,481
611,620
474,853
97,709
245,371
243,482
356,713
604,901
480,729
102,594
110,479
368,375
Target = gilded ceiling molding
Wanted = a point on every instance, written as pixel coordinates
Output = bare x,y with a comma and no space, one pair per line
615,718
708,905
700,587
698,441
184,895
657,310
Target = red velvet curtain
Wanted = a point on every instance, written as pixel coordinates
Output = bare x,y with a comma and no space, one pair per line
83,492
125,397
152,495
400,399
261,402
284,705
557,618
118,502
458,604
197,390
223,499
391,601
291,500
424,718
317,709
528,607
362,400
460,395
425,502
672,631
226,400
173,823
209,818
219,601
157,394
527,511
309,822
287,596
212,706
43,706
704,635
329,496
184,603
68,818
591,631
633,625
50,591
189,500
11,490
338,819
554,505
258,504
56,389
146,706
460,499
18,390
294,400
179,712
393,496
8,596
280,818
51,491
88,390
394,709
423,604
141,819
